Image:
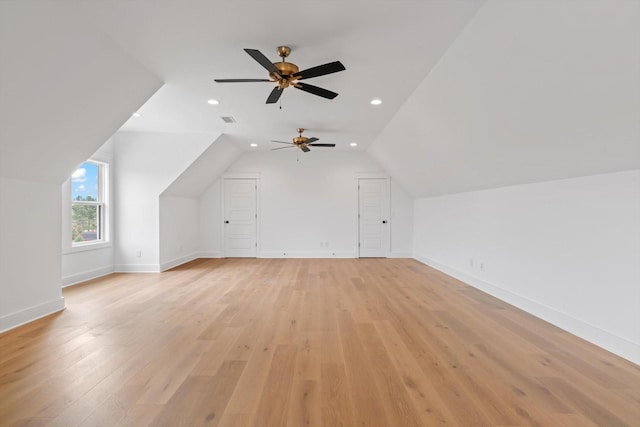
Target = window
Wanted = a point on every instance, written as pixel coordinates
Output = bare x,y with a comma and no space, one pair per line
88,198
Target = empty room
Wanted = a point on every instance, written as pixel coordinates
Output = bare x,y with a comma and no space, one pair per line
319,213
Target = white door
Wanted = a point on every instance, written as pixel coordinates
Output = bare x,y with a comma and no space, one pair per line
240,218
373,223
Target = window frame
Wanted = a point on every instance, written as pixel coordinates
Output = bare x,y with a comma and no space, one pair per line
102,213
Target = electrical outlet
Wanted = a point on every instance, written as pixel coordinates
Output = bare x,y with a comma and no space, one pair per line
471,262
139,253
481,266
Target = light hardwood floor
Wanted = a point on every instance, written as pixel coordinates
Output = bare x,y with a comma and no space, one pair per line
258,342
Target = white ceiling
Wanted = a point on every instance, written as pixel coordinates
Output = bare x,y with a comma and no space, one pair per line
530,91
387,47
475,94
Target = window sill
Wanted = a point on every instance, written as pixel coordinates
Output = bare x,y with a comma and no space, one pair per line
86,247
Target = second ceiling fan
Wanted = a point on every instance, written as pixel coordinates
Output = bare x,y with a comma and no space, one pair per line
302,142
287,74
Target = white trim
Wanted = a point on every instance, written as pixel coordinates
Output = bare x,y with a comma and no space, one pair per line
88,246
210,255
605,339
136,268
22,317
400,255
370,175
74,279
240,175
307,254
358,176
178,261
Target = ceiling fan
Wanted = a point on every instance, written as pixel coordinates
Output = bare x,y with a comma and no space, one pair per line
302,142
287,74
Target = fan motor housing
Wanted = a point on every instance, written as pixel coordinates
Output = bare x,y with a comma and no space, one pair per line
286,68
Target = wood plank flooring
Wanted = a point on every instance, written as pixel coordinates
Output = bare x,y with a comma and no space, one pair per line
309,342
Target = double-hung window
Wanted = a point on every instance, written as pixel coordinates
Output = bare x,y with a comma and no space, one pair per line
88,198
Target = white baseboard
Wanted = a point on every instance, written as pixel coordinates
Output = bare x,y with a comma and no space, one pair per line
307,254
210,255
19,318
178,261
86,275
136,268
607,340
400,255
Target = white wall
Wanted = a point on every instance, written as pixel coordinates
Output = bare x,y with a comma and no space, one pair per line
29,251
83,263
401,221
53,115
210,220
145,165
179,234
306,199
567,251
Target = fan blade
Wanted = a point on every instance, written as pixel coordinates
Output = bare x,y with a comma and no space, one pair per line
275,94
316,90
283,142
322,145
310,140
263,60
291,146
240,80
320,70
304,148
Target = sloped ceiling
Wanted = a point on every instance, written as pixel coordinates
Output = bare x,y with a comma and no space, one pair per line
64,89
205,169
387,47
530,91
475,95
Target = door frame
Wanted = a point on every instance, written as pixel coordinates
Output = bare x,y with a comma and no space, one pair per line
372,175
239,175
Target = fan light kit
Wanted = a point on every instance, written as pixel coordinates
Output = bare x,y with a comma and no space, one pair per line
302,142
287,74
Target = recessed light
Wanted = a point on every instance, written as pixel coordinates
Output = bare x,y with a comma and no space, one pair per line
253,144
354,144
213,102
376,101
137,115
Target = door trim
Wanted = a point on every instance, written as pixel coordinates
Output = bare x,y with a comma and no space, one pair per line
240,175
372,175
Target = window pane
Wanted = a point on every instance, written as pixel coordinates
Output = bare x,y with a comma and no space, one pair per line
84,182
85,220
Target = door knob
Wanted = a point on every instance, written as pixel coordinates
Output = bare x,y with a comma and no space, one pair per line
384,221
226,222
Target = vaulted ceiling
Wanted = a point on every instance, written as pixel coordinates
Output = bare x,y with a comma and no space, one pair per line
475,94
